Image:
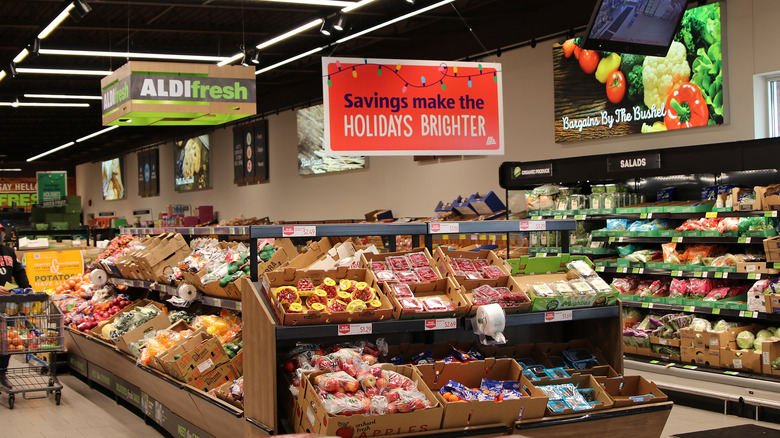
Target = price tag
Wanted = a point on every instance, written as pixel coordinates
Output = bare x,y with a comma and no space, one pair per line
355,329
678,239
716,311
561,315
654,361
705,274
676,273
300,231
718,275
663,341
559,217
741,313
580,217
623,270
611,240
737,363
748,314
536,218
711,214
756,314
217,302
753,276
670,364
641,270
238,305
689,309
620,239
531,225
651,305
191,230
690,367
725,275
492,237
731,373
770,213
697,274
635,271
649,215
445,237
642,215
542,254
645,305
441,324
462,236
600,269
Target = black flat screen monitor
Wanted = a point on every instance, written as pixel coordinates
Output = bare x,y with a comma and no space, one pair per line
642,27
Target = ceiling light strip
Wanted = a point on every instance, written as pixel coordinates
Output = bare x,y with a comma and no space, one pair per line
2,74
227,61
100,53
289,60
61,71
11,170
337,3
359,4
293,32
20,57
62,96
393,21
45,104
69,144
56,22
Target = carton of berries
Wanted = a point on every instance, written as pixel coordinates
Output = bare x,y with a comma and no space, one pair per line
504,291
471,265
436,299
415,266
320,297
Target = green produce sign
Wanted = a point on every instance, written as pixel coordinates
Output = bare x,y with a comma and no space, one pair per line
52,187
601,95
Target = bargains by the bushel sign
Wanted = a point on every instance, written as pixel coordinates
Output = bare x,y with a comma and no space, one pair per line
393,107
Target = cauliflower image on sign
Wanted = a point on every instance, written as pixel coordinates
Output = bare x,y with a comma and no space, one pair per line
661,76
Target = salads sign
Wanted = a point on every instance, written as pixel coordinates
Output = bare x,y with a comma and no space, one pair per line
402,107
602,95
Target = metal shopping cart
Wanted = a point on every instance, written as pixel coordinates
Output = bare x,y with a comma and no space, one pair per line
31,323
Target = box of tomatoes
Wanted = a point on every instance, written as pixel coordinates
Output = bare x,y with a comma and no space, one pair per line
320,297
381,400
515,397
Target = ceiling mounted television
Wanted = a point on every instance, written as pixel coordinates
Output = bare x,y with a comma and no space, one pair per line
642,27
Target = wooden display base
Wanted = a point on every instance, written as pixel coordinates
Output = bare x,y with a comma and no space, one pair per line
644,421
191,408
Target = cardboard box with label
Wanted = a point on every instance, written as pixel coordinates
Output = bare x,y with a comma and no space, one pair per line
272,281
315,418
161,254
756,267
220,375
772,249
600,396
445,289
444,261
145,330
632,390
474,413
770,197
370,257
746,205
743,360
770,356
468,286
699,355
231,291
709,339
196,356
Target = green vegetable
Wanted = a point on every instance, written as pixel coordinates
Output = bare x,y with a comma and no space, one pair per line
745,339
224,281
177,357
628,61
232,268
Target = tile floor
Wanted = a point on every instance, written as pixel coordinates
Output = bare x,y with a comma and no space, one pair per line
88,413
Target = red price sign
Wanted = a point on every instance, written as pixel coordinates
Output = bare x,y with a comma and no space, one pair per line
561,315
355,329
299,231
441,324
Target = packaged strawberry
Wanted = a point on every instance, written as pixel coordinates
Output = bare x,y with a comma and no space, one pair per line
426,273
436,304
407,276
398,263
401,290
418,259
386,275
492,272
378,266
411,304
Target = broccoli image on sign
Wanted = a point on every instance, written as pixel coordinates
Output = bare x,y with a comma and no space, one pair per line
607,94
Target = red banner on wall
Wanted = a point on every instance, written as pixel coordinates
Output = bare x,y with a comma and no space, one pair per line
402,107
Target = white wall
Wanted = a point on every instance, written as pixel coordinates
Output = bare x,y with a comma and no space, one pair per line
412,188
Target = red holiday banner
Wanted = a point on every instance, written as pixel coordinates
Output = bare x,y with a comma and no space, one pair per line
405,107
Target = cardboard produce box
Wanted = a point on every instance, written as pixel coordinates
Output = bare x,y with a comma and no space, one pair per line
772,249
772,303
770,352
231,291
582,382
770,197
475,413
706,339
179,327
405,352
699,355
161,254
290,277
743,360
632,390
745,206
756,267
467,287
444,257
367,258
199,361
315,419
222,392
284,252
556,352
446,289
148,328
322,255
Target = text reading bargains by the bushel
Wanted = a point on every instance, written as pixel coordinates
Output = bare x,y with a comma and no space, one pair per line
621,115
395,125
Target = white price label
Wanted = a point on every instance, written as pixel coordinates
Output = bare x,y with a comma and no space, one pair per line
714,342
532,225
355,329
205,365
751,268
641,270
662,341
445,228
737,363
725,275
765,356
441,324
561,315
299,231
649,215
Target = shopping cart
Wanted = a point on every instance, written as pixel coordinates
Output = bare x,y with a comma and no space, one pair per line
31,323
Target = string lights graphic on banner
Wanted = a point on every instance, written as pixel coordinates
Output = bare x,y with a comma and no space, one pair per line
443,69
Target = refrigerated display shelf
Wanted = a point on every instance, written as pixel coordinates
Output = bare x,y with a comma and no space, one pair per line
681,239
684,274
726,313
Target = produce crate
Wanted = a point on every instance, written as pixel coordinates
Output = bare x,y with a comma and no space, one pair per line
467,286
446,289
632,391
443,260
582,382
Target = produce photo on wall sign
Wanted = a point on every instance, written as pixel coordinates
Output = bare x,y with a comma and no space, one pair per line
113,185
312,158
191,164
603,94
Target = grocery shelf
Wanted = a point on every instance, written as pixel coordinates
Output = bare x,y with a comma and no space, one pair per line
681,239
705,310
635,216
684,274
579,314
501,226
287,332
171,290
328,230
189,231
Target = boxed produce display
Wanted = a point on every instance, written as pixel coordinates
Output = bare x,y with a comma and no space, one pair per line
418,354
199,360
323,254
231,392
146,350
561,282
469,265
405,404
133,323
283,252
320,297
575,394
503,290
573,356
770,357
437,299
415,266
161,253
490,391
632,391
743,360
216,267
745,199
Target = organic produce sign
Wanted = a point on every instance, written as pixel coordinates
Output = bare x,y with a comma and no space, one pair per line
392,107
602,94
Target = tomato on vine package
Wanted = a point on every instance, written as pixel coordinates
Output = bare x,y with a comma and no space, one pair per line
407,276
411,304
436,304
401,290
492,272
418,259
398,263
305,284
426,273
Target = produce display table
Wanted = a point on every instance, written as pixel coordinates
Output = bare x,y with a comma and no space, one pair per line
175,406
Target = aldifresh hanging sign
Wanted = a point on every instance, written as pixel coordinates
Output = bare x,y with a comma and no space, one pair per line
405,107
155,93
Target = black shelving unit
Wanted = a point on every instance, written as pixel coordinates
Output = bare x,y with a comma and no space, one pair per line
502,227
726,313
223,303
682,239
189,231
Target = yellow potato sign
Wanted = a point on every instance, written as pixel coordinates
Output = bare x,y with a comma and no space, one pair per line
49,269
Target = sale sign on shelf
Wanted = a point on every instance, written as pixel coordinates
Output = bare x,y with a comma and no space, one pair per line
403,107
